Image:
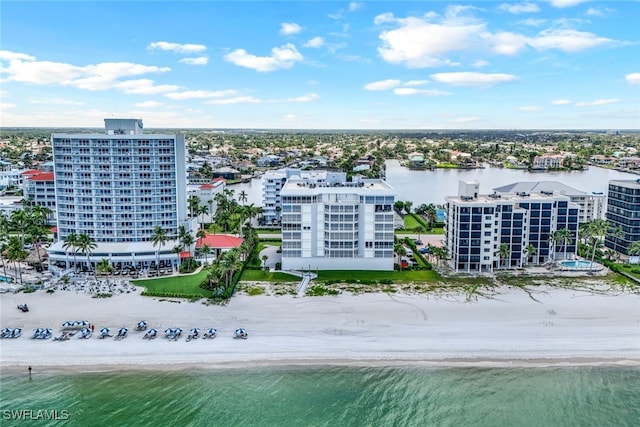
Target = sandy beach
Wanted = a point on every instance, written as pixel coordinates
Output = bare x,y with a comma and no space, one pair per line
563,327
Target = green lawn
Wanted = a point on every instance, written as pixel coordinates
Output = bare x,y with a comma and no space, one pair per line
396,276
268,231
267,276
186,284
410,222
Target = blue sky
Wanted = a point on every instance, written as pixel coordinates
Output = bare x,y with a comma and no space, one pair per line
553,64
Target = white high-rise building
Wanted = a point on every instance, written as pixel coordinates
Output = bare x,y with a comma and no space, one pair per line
117,187
337,226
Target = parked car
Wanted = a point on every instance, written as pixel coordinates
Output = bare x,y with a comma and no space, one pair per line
417,242
424,250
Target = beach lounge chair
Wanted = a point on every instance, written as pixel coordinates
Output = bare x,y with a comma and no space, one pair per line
104,332
142,325
150,334
211,333
240,333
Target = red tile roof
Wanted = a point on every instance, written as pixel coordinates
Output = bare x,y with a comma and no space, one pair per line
218,179
219,241
31,172
42,176
185,254
207,186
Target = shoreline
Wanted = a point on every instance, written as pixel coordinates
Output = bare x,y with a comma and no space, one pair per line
445,363
561,327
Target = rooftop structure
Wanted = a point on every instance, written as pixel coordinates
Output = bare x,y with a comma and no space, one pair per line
592,205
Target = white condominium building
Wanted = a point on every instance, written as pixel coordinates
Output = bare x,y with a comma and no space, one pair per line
117,187
337,226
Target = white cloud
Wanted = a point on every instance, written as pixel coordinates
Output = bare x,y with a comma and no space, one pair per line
177,47
531,22
7,55
480,63
314,42
407,91
415,83
202,94
382,84
529,109
633,78
144,87
466,119
517,8
470,78
102,76
148,104
200,60
566,3
429,40
420,43
281,58
597,102
287,28
305,98
506,43
598,11
354,5
236,100
567,40
54,101
7,106
561,102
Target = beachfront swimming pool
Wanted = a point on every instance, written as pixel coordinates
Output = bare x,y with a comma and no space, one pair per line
581,265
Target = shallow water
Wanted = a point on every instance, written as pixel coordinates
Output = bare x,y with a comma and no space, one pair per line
328,396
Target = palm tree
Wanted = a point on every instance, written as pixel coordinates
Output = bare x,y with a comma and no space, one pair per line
419,229
202,210
566,237
71,242
242,197
530,251
187,240
597,230
19,221
205,250
634,249
431,214
159,238
264,261
503,252
177,249
193,202
16,253
86,244
552,240
104,266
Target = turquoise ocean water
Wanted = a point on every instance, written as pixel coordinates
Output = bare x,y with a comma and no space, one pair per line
328,396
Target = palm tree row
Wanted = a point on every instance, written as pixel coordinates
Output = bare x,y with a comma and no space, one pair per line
28,225
80,243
